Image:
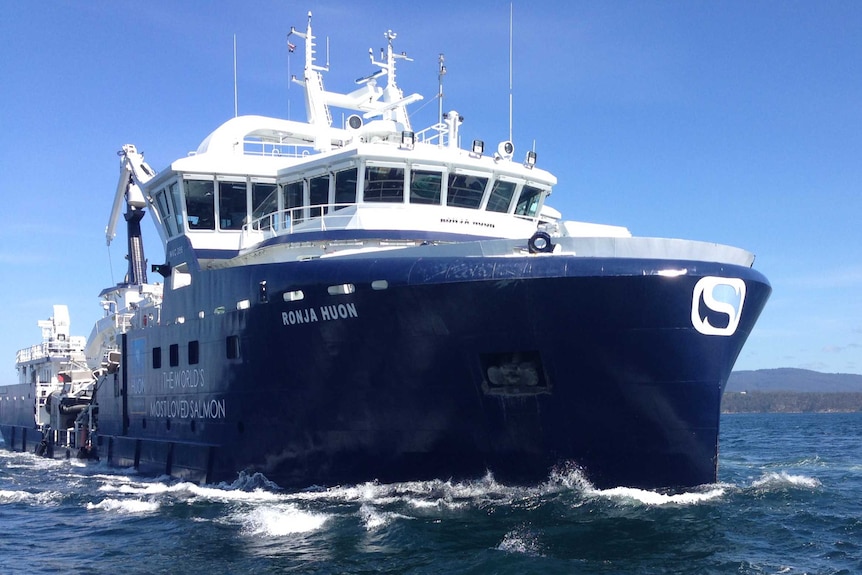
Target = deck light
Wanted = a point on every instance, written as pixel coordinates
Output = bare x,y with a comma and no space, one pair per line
408,139
478,147
530,161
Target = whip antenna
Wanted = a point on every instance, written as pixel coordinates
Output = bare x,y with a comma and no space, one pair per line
510,69
235,101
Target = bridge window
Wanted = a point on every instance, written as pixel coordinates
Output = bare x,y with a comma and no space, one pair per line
165,213
384,184
264,200
345,186
200,204
465,191
318,194
293,199
501,196
528,202
176,206
425,187
231,205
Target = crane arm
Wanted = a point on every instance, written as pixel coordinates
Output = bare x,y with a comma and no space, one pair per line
134,173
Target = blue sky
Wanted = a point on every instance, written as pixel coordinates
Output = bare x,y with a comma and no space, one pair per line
734,122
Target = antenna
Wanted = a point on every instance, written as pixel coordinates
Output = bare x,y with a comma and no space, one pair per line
511,9
235,104
440,74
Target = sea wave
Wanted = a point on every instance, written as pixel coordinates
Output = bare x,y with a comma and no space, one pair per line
37,498
280,520
373,518
782,480
420,494
125,506
653,498
521,540
190,491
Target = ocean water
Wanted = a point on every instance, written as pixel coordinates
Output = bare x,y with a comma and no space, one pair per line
789,501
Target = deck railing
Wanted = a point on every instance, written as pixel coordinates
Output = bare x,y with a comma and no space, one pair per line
51,348
302,219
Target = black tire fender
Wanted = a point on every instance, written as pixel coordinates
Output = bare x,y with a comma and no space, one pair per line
540,242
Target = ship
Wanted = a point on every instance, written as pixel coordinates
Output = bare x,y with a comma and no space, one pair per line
358,300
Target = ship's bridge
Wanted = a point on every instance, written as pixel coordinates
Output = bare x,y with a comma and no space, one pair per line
231,203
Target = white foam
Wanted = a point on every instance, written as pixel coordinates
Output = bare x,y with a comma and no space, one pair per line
653,498
191,490
568,477
520,541
125,506
282,520
374,519
39,498
773,480
438,503
7,496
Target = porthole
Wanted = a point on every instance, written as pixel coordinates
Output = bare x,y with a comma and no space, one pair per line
341,289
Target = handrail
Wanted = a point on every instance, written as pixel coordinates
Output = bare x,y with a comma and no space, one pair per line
308,218
49,348
274,149
323,217
427,136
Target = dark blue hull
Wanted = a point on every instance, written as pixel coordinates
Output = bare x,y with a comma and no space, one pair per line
453,368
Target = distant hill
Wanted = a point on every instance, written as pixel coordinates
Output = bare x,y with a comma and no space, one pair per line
788,390
797,380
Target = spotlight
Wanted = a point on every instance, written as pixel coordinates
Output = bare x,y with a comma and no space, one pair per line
530,161
478,147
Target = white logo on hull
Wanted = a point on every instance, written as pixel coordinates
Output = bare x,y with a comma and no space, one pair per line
721,297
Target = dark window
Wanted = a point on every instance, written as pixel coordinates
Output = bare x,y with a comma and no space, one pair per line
293,195
175,354
194,352
293,199
384,184
425,187
465,191
232,346
165,213
528,202
157,357
176,206
318,194
264,200
231,205
501,196
345,186
200,205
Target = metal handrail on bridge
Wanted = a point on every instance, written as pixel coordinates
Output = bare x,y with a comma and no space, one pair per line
300,219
